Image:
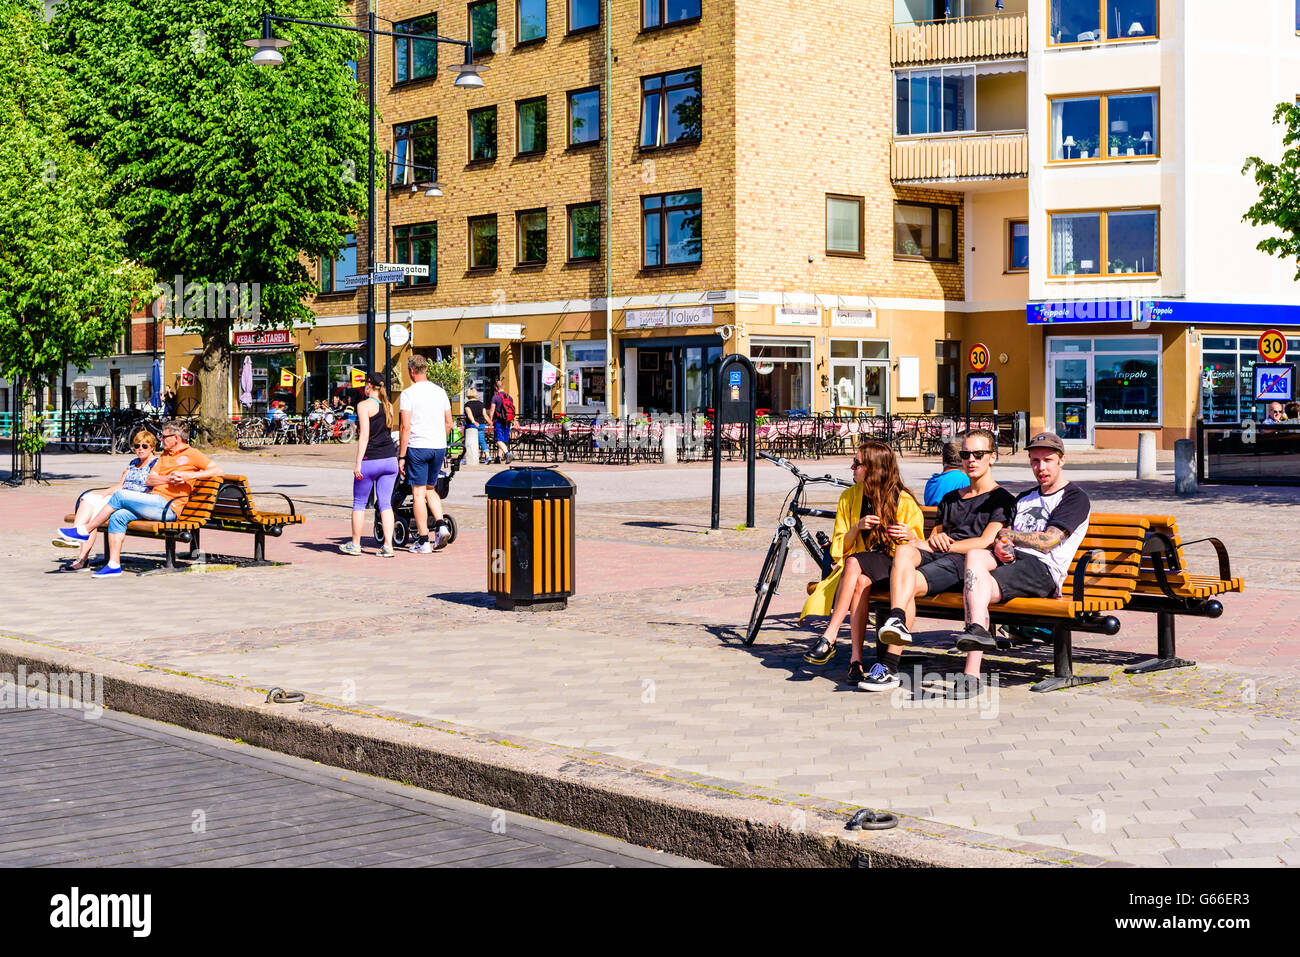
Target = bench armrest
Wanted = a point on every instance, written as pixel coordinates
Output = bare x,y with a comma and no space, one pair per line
1081,573
1225,567
292,511
1166,553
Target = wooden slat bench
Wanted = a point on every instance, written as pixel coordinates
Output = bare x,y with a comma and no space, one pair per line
234,511
1102,579
1166,587
185,528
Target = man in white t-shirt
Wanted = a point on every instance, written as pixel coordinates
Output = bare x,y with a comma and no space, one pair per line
1031,558
426,422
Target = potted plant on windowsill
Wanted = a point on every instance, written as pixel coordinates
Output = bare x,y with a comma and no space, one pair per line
910,248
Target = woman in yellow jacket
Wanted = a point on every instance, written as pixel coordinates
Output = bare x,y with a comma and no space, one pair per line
872,518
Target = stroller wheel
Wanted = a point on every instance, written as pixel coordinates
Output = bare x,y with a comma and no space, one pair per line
399,533
451,527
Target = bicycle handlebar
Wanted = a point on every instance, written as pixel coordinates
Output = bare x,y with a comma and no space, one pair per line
794,469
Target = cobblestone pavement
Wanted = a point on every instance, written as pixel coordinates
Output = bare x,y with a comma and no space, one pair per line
120,791
1195,766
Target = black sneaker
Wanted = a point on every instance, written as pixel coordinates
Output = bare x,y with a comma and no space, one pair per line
855,674
976,638
879,678
894,632
966,686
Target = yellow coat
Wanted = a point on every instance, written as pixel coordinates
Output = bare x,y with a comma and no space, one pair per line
822,600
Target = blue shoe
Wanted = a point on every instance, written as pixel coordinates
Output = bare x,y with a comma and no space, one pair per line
72,535
107,572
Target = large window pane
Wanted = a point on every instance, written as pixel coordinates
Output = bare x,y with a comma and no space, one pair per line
958,100
912,231
1074,21
583,14
682,112
843,225
483,242
1133,124
685,224
657,13
584,116
418,245
946,234
1128,19
584,232
1132,241
1076,128
532,20
651,103
333,272
532,236
902,103
1219,385
1076,243
483,26
918,98
532,126
413,58
483,134
1019,251
1127,388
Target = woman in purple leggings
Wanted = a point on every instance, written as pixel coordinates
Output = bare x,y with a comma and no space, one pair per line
376,466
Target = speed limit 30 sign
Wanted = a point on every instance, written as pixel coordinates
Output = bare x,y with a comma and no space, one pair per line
1272,346
979,357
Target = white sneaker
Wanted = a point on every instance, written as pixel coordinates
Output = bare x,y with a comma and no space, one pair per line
441,536
420,548
894,632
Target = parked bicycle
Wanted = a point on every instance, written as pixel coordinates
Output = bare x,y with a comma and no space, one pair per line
791,526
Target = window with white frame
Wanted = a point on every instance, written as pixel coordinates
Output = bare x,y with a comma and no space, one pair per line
853,384
784,368
937,100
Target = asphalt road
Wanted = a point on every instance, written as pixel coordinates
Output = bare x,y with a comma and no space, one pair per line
121,791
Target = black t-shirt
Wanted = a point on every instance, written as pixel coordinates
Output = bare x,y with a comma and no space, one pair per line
476,407
967,518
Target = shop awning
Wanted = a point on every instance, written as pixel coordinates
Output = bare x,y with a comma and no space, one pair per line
253,350
340,346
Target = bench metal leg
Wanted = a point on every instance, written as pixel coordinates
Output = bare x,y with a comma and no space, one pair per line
1064,676
194,545
1166,654
170,563
259,546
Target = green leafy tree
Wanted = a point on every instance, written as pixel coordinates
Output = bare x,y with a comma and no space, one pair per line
223,172
1279,191
65,288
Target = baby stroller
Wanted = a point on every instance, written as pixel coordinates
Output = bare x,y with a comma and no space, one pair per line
404,527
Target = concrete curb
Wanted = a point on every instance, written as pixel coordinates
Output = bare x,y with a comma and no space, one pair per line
639,804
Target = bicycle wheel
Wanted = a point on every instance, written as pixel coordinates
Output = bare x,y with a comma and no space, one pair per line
773,565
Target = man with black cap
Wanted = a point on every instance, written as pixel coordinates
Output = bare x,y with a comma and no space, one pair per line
1029,560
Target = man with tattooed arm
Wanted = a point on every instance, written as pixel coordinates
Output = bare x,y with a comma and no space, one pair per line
1031,559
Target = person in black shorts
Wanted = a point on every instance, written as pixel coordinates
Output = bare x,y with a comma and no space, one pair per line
1030,560
969,521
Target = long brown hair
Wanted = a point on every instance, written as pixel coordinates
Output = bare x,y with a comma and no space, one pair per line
382,398
883,486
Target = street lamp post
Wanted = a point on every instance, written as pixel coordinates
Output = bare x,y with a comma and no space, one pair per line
432,188
267,49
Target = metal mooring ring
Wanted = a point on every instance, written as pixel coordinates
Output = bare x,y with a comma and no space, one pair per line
280,696
869,820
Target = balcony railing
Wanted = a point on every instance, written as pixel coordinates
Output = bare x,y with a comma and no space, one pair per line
950,41
964,156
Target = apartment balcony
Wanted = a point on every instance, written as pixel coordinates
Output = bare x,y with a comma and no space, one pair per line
1004,35
960,158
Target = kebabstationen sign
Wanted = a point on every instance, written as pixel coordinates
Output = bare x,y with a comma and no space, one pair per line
276,337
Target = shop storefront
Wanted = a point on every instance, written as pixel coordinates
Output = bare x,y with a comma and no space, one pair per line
860,375
268,355
1114,368
584,377
784,368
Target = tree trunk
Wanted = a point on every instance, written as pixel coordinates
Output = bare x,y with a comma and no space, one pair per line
214,386
27,461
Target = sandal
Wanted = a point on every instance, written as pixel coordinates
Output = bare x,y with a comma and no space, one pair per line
855,673
823,653
347,548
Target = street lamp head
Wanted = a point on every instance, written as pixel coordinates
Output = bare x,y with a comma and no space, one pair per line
267,46
435,189
468,73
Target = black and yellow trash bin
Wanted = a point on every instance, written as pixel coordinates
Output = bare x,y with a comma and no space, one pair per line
530,539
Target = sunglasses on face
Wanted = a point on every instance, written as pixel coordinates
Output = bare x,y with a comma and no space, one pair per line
978,455
858,465
141,445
